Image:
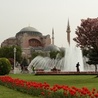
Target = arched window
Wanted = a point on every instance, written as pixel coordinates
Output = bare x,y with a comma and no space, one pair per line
34,43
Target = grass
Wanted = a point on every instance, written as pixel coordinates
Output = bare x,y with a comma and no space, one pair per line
9,93
71,80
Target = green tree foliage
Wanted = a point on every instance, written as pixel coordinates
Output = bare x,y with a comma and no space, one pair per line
8,52
85,52
34,54
53,54
24,62
5,66
62,53
93,58
18,54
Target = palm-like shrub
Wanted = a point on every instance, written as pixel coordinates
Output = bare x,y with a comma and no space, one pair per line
5,66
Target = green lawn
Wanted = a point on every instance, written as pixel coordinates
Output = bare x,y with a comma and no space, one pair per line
72,80
9,93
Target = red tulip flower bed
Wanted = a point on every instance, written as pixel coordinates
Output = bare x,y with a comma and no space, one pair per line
45,90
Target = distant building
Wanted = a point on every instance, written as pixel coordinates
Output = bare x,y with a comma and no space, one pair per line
28,38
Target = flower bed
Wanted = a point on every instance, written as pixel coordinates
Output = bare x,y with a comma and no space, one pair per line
45,90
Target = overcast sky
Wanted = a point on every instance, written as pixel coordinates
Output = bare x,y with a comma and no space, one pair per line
45,15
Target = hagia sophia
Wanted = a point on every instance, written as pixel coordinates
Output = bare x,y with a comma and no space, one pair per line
29,38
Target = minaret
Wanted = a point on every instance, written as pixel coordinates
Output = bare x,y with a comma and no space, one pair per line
52,36
68,32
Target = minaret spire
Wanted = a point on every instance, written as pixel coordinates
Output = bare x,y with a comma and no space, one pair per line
52,36
68,32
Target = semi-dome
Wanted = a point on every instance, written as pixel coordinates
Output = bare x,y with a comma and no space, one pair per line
51,48
29,30
12,38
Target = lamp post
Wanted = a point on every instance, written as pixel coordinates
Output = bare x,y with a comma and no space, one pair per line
14,58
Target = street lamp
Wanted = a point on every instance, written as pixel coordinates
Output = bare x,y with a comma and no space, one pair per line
14,58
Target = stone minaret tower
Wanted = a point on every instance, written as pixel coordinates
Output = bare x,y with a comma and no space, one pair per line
52,36
68,32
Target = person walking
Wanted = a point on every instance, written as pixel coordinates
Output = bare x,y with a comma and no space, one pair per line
77,67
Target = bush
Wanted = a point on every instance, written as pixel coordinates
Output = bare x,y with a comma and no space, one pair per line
5,66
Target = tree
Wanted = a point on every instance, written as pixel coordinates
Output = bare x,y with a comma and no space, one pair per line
5,66
87,34
87,38
85,52
24,64
53,54
36,53
93,58
8,52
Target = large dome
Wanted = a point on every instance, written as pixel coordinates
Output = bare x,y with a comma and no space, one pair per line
25,29
29,30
